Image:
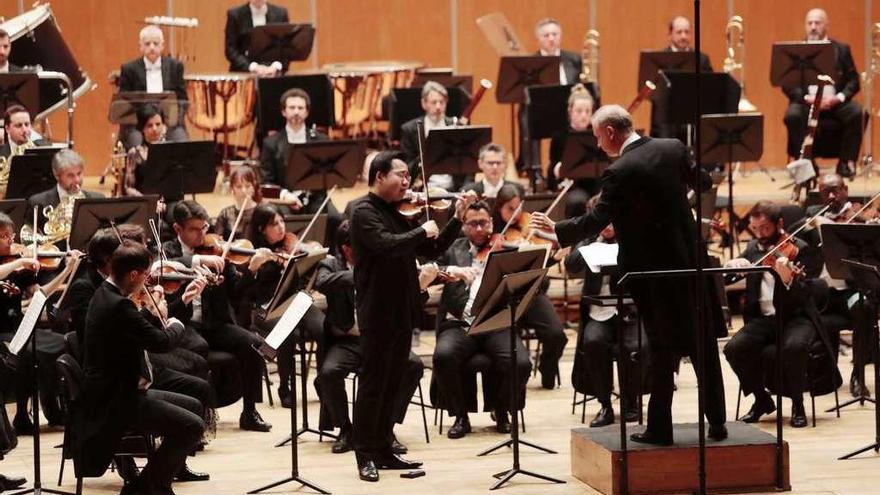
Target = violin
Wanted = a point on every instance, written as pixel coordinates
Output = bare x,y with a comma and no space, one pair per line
787,249
48,255
436,198
239,252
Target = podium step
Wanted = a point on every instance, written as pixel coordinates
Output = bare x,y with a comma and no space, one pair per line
744,462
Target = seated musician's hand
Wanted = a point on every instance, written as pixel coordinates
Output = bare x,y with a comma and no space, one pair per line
829,102
431,229
261,256
466,274
30,264
540,221
171,321
466,199
160,207
809,99
557,168
291,200
737,263
784,269
427,273
213,263
194,289
560,254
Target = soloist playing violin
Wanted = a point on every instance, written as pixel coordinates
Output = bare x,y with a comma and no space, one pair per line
794,260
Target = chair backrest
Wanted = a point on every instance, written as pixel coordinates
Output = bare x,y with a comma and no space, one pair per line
71,375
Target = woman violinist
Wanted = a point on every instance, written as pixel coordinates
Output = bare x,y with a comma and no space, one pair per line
245,184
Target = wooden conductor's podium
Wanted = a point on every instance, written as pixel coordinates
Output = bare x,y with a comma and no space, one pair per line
744,462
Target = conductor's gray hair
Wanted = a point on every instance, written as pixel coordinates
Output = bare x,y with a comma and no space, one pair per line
615,116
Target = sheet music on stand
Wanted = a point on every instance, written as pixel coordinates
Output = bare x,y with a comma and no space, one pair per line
500,34
28,322
287,323
599,255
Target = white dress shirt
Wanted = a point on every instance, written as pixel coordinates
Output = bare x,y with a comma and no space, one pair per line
4,68
154,75
437,180
633,137
295,136
475,287
490,191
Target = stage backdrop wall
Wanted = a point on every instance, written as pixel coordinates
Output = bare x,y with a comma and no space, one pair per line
103,34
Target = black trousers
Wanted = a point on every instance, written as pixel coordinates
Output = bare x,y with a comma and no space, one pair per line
344,357
599,345
848,117
861,316
744,353
385,356
542,317
455,347
243,345
50,345
182,360
312,325
174,417
168,380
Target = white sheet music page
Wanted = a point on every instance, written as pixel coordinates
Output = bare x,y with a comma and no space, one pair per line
28,322
599,254
289,320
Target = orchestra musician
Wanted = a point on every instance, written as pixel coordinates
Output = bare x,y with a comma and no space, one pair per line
763,299
295,104
118,392
679,35
493,164
435,97
19,132
540,316
5,50
153,73
342,348
456,390
580,110
212,313
245,185
240,23
388,298
8,437
592,373
19,282
68,168
644,195
839,106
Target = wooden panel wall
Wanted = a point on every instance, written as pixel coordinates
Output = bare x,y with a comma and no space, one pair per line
103,34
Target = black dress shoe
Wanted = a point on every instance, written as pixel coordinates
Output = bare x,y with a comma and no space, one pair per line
187,474
717,432
758,409
798,416
394,461
631,414
857,387
11,482
252,421
502,422
397,447
651,438
343,441
604,417
460,428
367,470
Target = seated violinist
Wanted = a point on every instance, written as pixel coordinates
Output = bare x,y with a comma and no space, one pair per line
212,313
540,316
455,346
245,184
593,369
341,348
18,281
763,299
493,164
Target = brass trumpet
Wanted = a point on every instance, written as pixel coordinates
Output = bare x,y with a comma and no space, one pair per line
590,58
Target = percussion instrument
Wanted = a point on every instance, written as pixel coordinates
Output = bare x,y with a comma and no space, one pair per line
37,42
359,88
223,105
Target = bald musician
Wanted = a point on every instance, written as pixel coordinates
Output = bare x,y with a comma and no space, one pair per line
240,23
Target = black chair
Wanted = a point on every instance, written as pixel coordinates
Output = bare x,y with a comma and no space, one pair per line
528,335
828,137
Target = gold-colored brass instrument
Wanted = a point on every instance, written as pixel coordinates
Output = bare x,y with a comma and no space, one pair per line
735,61
58,222
590,58
118,164
871,70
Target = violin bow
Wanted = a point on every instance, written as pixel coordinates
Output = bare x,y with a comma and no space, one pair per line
155,231
228,243
567,185
314,218
420,127
34,242
159,314
513,217
791,236
863,208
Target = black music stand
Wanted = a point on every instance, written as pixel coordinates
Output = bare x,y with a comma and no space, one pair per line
542,201
507,294
795,64
28,175
125,105
23,334
320,165
859,243
547,108
732,138
175,169
581,157
277,42
652,62
91,214
406,104
719,93
320,91
297,308
296,223
465,82
15,209
20,88
455,150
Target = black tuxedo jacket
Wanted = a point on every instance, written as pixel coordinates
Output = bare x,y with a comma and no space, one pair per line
6,149
454,297
275,152
336,281
386,278
644,194
116,335
572,64
133,76
409,143
50,197
846,78
798,299
239,24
